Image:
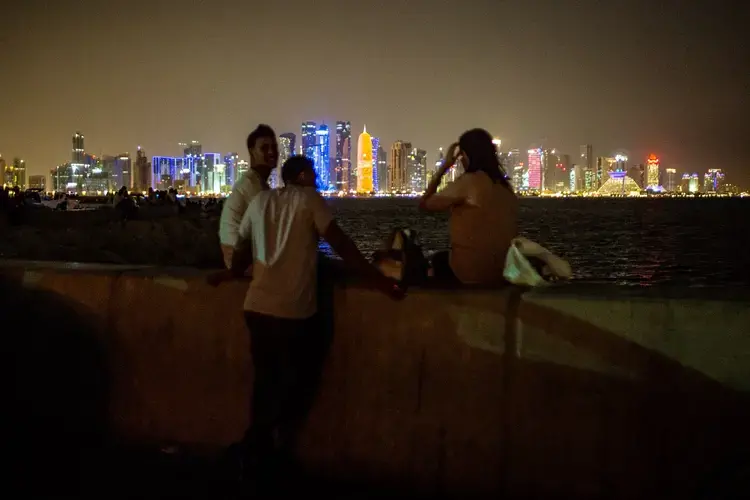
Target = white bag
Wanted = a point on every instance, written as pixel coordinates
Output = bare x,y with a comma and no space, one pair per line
519,271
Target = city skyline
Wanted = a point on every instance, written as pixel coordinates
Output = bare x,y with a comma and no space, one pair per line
542,170
313,151
624,77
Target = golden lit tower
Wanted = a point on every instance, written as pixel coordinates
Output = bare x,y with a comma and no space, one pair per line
364,163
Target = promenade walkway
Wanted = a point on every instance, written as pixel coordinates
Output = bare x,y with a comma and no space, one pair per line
599,393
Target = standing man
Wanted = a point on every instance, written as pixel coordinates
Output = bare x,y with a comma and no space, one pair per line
264,155
279,235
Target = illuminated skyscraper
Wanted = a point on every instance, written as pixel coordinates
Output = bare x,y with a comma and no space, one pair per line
164,172
671,184
364,163
562,173
19,173
382,176
653,174
375,164
600,176
242,167
230,166
285,152
535,169
292,142
586,162
343,161
213,176
417,170
122,170
577,179
685,183
308,141
322,158
398,168
713,181
97,180
194,163
78,152
77,168
694,184
510,162
449,176
141,173
550,172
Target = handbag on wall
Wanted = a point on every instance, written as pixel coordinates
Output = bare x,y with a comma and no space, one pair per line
402,258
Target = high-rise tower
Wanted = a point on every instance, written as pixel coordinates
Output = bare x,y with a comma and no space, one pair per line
343,165
141,173
292,142
535,170
381,168
322,159
77,156
397,171
375,164
286,151
307,146
417,170
653,174
364,163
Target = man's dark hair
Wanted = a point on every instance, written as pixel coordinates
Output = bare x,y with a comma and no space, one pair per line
295,166
261,130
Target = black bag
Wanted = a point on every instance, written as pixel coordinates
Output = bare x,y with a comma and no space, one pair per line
402,258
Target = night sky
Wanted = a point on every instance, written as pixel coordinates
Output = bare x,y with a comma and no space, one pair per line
669,77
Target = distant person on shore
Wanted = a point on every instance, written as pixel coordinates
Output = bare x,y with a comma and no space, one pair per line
124,204
279,235
483,212
264,156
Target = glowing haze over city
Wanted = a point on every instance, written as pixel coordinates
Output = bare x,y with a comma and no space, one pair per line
627,79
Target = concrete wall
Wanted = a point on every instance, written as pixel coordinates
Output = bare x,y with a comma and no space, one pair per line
561,392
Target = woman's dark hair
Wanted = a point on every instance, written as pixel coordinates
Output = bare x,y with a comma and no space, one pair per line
477,145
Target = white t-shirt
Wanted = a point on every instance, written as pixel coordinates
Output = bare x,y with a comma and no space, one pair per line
284,226
243,191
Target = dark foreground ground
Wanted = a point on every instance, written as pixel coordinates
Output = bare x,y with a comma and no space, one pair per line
152,474
169,474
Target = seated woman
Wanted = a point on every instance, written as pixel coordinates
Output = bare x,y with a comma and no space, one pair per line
483,212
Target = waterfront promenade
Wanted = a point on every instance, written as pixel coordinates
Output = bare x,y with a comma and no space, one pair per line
599,392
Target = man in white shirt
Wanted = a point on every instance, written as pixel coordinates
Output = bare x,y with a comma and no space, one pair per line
264,156
281,229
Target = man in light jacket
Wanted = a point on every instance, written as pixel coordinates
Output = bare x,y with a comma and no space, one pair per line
264,156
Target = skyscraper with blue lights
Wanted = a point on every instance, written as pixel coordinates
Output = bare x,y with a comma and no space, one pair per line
375,159
308,142
321,158
230,168
164,172
212,177
194,163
